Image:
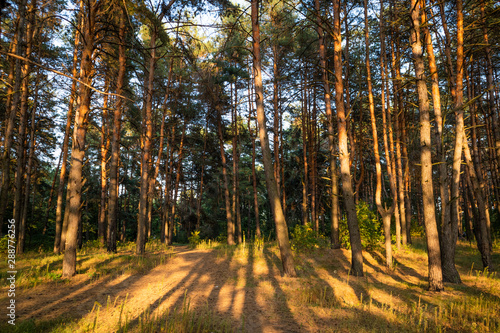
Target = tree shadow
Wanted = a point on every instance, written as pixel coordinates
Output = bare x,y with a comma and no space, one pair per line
53,302
71,301
193,279
273,263
253,321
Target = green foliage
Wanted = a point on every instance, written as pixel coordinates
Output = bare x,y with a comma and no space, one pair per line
89,245
194,239
495,224
54,276
221,239
304,238
417,230
4,241
370,227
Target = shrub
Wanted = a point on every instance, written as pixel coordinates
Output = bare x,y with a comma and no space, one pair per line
94,244
4,241
304,238
194,239
370,227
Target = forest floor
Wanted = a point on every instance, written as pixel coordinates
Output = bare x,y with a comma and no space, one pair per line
240,289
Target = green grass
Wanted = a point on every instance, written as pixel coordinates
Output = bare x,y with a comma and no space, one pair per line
34,268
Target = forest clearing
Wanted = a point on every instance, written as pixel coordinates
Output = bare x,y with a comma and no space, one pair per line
220,288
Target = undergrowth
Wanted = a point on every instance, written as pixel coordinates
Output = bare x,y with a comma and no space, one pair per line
304,238
370,228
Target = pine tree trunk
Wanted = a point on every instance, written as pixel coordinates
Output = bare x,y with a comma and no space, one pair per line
229,214
21,134
305,182
400,188
166,204
78,153
408,209
104,147
352,221
448,225
52,188
276,108
491,103
235,208
115,141
178,172
58,244
385,212
331,145
450,229
239,230
202,172
13,104
152,181
313,153
147,138
272,186
29,171
433,249
483,241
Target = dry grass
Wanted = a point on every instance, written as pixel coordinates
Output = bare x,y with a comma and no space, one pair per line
217,288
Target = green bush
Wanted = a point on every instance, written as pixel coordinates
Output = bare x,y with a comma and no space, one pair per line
304,238
194,239
370,227
93,244
221,239
4,241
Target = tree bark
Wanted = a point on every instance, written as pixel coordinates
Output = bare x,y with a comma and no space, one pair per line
115,140
166,205
147,137
276,107
80,130
178,172
272,186
202,172
21,135
305,121
352,221
65,147
450,229
398,109
407,181
229,214
433,249
385,212
235,208
101,224
254,174
334,200
483,241
449,225
491,98
29,174
13,102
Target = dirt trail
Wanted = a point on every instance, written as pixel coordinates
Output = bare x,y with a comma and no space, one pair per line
236,288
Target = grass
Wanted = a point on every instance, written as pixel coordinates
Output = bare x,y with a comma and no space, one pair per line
176,321
324,297
35,268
